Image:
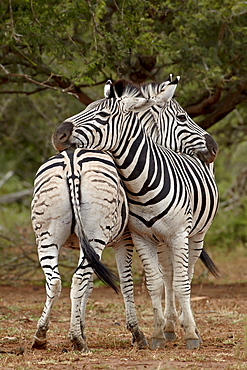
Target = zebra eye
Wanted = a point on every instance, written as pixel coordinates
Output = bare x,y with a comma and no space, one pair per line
103,114
182,117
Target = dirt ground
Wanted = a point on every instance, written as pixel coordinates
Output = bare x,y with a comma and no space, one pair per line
220,312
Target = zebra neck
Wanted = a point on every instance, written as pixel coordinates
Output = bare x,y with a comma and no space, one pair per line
141,163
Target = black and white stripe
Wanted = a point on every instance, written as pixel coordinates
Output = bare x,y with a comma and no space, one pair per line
172,199
95,174
79,195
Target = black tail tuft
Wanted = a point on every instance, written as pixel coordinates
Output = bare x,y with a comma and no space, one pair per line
103,273
209,264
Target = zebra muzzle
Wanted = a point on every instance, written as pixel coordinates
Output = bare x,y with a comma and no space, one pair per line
208,155
60,138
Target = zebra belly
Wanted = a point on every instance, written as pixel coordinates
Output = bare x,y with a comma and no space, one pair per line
162,227
175,204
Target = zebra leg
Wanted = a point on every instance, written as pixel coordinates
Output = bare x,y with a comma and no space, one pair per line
195,248
80,289
124,253
170,313
51,221
155,287
182,289
84,305
48,257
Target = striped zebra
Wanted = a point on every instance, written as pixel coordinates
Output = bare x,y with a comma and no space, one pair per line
97,174
172,198
67,163
79,191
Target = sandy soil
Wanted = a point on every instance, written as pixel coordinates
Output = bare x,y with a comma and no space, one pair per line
220,312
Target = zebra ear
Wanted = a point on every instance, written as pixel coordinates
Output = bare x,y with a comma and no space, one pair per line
137,104
169,79
166,82
107,88
167,93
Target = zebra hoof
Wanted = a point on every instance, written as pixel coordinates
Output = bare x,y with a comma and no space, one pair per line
170,336
192,343
139,339
158,343
142,343
39,343
79,344
80,347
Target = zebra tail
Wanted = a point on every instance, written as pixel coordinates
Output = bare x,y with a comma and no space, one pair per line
103,273
209,264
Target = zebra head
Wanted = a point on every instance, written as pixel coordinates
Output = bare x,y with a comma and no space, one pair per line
171,126
161,117
180,133
100,125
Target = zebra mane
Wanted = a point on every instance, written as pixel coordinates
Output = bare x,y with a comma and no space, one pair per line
124,88
93,104
151,89
127,88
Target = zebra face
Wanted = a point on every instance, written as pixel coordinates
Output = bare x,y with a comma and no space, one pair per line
82,130
99,125
180,133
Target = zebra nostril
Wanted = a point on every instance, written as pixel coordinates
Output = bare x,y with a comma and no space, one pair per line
63,137
211,145
215,151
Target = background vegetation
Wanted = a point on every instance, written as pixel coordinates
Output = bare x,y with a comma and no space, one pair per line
55,58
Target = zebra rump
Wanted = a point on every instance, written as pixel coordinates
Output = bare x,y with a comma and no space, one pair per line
74,179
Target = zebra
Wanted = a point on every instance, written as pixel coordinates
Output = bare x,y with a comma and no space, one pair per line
55,172
175,130
172,199
71,189
52,178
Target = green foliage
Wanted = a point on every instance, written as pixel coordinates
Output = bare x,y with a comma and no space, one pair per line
229,227
26,127
74,46
85,38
